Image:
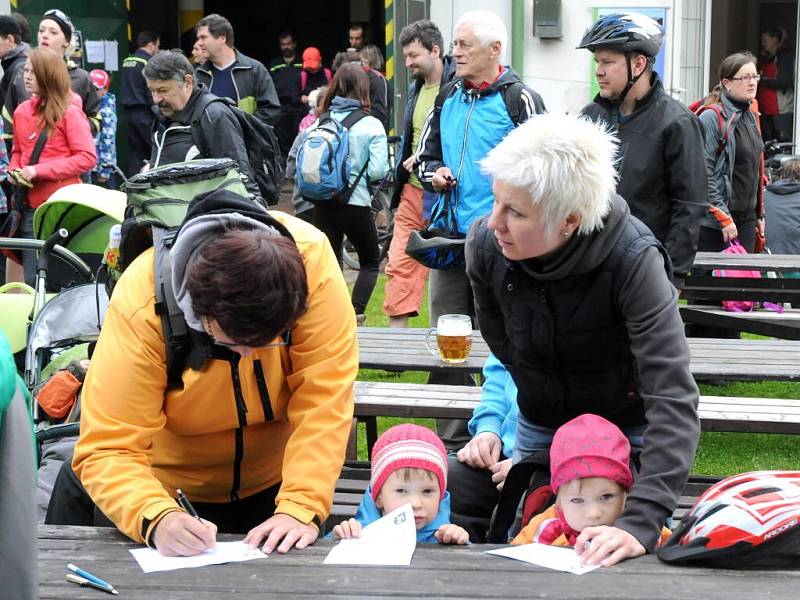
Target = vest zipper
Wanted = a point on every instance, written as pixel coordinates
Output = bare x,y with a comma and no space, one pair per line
263,391
464,141
241,411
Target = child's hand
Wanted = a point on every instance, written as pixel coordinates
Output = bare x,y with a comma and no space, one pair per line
451,534
347,530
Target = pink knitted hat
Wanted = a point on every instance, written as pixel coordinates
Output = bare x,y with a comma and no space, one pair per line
589,446
408,446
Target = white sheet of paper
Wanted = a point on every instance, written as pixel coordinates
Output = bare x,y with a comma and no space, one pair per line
390,540
150,560
112,55
552,557
95,51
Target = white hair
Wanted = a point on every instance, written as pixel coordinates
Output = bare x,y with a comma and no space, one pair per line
565,163
487,27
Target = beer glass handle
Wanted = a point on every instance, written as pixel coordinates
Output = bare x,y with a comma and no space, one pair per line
428,343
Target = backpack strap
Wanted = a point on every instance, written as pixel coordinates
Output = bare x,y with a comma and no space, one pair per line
350,120
724,127
513,100
200,107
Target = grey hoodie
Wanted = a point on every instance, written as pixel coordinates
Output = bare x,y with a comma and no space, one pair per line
782,205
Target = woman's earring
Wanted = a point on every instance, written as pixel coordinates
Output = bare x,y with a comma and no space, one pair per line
565,234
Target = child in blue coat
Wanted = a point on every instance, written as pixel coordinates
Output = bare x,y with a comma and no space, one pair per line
409,464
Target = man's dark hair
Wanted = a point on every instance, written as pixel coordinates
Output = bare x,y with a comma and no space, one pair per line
425,32
356,25
24,27
168,65
286,33
348,56
9,26
146,37
217,26
252,282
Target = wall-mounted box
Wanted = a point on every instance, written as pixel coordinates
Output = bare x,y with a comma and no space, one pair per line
547,18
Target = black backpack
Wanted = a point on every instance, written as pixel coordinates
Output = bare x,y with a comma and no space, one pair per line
263,148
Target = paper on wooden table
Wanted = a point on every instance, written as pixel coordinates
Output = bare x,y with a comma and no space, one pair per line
224,552
390,540
552,557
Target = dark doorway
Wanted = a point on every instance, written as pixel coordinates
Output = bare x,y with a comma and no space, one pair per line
155,15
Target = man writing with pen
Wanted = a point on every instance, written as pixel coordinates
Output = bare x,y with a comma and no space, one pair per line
255,434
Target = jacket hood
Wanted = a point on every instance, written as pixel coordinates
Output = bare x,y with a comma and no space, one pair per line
17,53
368,512
191,238
344,104
582,253
784,187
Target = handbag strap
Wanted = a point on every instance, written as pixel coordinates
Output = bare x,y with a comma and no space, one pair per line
37,149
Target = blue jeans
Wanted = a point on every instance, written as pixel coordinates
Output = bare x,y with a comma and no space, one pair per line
531,438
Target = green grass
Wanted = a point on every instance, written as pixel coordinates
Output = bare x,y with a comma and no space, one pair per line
718,454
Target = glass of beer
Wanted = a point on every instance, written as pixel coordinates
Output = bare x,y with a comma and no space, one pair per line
453,338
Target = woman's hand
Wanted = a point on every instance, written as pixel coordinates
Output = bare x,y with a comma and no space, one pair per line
451,534
606,546
28,173
347,530
729,232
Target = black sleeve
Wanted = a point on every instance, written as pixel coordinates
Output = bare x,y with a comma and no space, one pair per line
91,102
378,90
225,139
684,156
429,158
268,107
648,301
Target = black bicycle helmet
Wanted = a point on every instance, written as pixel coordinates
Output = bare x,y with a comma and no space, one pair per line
751,520
624,32
436,249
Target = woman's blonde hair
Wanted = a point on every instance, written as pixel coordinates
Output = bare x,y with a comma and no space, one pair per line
54,86
565,164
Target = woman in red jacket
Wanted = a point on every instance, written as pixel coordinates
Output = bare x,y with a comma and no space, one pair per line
68,150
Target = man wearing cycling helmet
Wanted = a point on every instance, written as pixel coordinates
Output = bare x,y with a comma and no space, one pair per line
661,170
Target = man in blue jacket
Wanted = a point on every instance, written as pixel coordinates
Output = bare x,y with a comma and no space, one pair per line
472,114
423,46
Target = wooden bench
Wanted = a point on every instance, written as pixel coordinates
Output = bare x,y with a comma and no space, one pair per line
410,400
785,325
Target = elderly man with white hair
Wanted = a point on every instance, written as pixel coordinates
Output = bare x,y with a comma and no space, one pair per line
471,115
573,295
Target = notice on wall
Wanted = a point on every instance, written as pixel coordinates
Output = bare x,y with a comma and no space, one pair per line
112,56
95,51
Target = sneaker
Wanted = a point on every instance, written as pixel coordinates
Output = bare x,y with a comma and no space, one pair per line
360,319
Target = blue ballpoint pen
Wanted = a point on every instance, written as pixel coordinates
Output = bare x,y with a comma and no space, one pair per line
86,575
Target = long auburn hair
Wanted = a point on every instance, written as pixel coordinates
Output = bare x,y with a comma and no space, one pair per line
349,81
52,77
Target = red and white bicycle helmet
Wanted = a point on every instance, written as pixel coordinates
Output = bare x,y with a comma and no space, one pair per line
748,520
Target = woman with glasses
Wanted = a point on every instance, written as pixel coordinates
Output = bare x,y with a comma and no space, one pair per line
733,150
55,34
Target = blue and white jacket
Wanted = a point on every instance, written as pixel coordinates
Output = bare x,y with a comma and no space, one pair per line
106,139
497,412
473,122
368,512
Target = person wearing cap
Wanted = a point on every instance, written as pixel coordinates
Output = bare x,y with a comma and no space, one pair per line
12,58
591,477
313,75
409,465
55,33
573,296
230,74
106,140
662,171
136,102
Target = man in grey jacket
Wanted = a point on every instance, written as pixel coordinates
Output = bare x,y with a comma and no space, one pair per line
182,135
230,74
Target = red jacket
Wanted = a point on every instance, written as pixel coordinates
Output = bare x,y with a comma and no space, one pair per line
68,152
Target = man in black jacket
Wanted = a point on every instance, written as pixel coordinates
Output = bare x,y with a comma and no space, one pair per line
661,165
229,73
135,100
180,133
12,54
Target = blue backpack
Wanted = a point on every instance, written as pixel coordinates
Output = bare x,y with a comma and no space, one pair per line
323,165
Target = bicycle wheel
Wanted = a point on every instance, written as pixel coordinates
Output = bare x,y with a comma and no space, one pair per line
384,224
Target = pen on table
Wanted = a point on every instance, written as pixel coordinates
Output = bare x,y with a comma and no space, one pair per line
186,505
84,578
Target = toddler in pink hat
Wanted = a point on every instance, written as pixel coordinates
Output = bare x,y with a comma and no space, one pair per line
590,476
409,465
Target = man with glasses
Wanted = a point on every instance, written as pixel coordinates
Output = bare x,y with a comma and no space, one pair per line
254,431
662,171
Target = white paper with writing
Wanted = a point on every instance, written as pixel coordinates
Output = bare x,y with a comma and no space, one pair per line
552,557
95,51
225,552
390,540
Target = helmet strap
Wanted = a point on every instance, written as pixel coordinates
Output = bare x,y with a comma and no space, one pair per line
631,79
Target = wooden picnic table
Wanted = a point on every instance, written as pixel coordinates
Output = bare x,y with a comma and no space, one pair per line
435,572
741,360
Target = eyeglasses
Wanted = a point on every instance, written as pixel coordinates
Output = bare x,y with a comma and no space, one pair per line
747,78
286,339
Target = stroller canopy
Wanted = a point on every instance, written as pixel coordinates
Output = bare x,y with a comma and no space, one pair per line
86,211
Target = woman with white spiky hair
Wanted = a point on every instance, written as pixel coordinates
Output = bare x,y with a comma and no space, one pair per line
573,295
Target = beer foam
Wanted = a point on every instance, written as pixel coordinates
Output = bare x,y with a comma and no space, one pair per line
451,327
